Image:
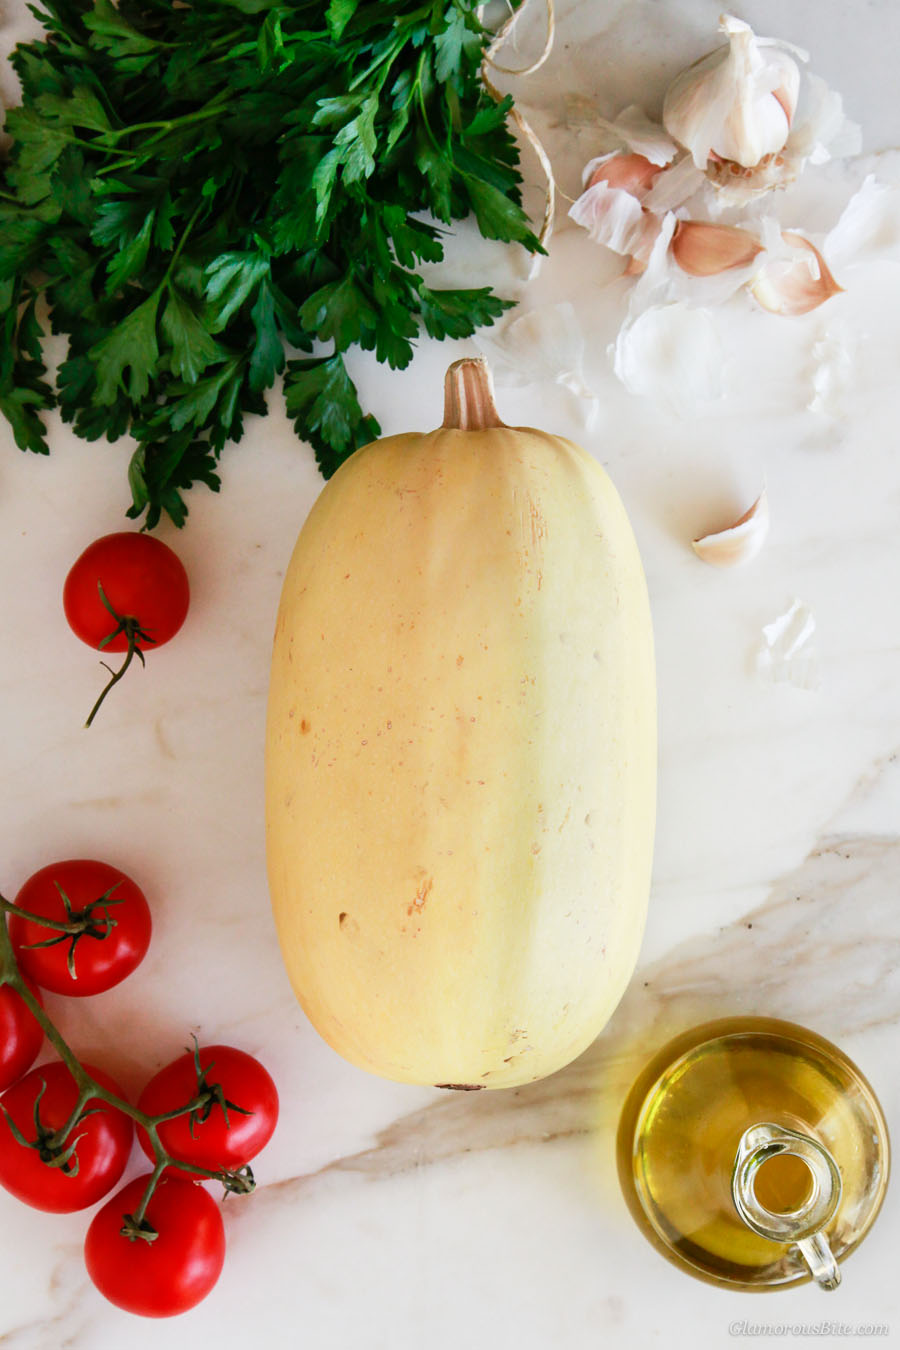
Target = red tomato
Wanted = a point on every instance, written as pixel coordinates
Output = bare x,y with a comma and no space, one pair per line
142,579
209,1137
21,1036
174,1271
110,947
102,1149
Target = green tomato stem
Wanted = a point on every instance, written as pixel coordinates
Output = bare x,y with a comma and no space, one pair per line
115,675
80,923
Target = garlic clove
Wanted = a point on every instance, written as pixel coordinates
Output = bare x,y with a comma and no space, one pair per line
615,218
737,102
704,250
794,285
740,542
634,173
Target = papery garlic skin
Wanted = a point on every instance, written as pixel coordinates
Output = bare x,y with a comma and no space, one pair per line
610,208
737,102
741,541
637,133
786,654
543,344
611,216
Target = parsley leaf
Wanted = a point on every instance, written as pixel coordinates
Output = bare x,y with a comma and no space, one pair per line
497,216
321,400
339,14
456,314
19,406
230,280
193,347
130,260
130,346
158,471
194,193
267,356
339,311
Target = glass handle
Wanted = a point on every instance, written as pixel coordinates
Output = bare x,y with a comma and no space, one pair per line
819,1257
804,1225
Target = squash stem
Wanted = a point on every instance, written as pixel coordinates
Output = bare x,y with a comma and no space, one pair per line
469,396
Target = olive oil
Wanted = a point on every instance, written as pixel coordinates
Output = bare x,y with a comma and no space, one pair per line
684,1120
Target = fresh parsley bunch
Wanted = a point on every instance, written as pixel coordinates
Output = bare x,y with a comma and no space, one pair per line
194,188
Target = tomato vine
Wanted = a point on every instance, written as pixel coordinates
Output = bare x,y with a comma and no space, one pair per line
59,1144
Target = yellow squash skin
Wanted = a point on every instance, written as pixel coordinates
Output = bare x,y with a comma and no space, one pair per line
461,757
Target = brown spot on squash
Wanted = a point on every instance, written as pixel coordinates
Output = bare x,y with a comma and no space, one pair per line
304,725
421,896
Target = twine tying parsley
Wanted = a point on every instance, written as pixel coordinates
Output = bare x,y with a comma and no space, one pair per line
489,63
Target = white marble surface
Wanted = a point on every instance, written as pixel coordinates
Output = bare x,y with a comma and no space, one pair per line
389,1218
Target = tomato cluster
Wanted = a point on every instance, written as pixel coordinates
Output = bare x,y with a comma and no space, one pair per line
66,1129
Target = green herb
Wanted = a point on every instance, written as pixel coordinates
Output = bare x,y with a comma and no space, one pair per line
196,193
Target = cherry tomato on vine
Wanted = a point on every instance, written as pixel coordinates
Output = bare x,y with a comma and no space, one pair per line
125,593
109,921
173,1272
141,578
21,1036
102,1141
235,1121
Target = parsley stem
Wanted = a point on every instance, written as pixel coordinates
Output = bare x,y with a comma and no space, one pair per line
181,243
119,164
96,145
201,115
419,94
212,109
389,55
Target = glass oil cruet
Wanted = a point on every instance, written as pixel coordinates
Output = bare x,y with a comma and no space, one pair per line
754,1154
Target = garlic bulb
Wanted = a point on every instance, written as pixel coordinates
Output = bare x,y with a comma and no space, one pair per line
737,102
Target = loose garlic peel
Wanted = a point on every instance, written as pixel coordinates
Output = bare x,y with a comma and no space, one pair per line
736,103
740,542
